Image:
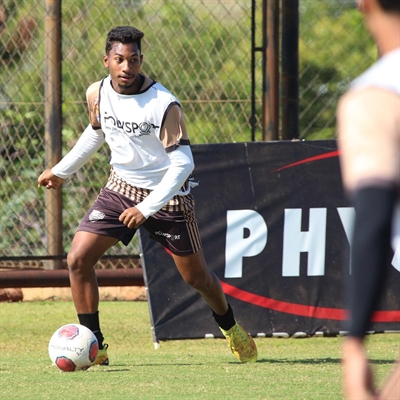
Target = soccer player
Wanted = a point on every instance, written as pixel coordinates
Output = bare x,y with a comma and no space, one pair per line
149,185
369,140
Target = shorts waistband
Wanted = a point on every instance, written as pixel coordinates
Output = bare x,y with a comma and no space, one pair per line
119,185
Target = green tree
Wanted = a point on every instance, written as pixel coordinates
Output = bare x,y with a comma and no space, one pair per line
334,48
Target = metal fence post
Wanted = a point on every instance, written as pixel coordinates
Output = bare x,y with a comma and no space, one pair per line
290,69
53,120
270,70
253,70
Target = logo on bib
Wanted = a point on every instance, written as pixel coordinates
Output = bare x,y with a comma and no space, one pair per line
132,129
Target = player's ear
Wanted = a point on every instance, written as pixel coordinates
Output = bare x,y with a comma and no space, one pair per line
105,60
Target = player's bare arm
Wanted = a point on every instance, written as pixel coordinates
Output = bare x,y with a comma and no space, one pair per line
174,127
368,157
49,180
92,99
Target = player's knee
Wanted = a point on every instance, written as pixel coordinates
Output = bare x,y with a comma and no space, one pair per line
73,261
199,282
78,261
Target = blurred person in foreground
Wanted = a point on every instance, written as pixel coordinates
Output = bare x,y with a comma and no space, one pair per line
149,185
369,141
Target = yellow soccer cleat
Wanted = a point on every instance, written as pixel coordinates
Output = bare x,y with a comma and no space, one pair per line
241,343
102,356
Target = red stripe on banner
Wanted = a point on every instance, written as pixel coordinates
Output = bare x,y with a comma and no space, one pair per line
386,316
168,251
310,159
302,310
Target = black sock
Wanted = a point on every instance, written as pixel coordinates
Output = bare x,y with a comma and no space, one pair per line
92,321
225,321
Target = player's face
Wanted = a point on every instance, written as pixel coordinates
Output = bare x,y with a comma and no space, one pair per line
124,62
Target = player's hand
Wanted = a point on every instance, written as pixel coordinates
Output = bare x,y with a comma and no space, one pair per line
358,377
49,180
132,218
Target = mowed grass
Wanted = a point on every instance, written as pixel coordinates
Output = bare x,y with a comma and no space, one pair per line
186,369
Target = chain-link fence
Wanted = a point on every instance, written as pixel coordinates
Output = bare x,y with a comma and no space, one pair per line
199,49
334,48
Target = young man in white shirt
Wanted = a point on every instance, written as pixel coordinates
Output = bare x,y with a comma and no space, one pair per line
149,186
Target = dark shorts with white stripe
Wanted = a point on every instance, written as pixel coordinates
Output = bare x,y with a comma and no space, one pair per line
175,227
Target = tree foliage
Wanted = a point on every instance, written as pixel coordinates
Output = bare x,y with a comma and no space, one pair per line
334,48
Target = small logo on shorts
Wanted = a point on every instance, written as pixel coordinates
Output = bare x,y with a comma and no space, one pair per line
96,215
168,235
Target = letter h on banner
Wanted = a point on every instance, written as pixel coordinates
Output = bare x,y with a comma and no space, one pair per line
295,241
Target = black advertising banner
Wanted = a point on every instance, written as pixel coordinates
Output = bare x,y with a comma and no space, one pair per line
275,225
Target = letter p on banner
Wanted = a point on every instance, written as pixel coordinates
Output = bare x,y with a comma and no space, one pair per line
239,245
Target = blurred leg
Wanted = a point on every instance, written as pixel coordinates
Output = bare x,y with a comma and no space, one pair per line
391,390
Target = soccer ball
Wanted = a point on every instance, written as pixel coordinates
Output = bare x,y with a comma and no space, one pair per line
73,347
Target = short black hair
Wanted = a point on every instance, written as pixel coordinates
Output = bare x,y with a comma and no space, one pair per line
390,5
124,35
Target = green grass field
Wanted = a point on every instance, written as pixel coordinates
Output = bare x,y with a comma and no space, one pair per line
188,369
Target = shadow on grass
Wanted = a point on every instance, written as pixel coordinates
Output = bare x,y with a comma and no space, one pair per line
309,361
118,370
317,361
127,369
